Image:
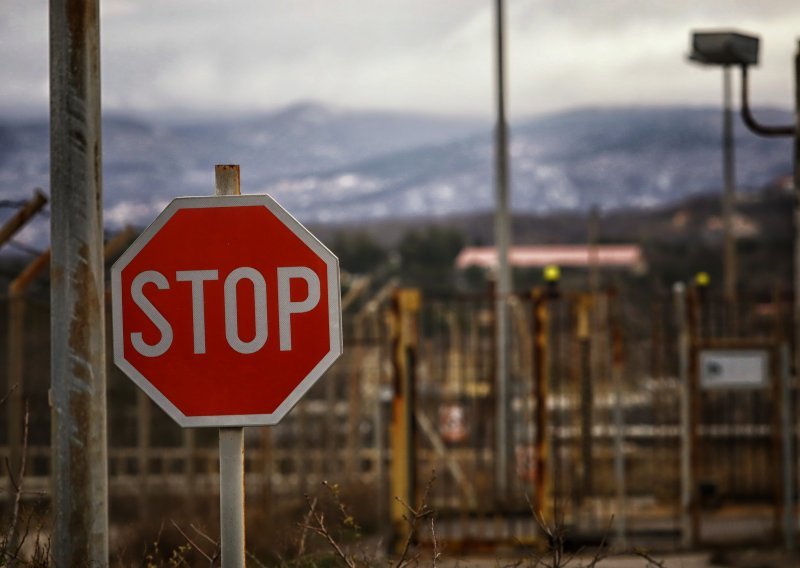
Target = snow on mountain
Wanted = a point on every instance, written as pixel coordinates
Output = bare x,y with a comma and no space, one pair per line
329,165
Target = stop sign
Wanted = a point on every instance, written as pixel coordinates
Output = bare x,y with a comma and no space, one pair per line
226,310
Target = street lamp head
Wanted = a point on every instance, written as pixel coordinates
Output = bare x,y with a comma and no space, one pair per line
724,48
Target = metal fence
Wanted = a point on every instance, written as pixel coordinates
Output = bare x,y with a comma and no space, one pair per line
607,442
610,442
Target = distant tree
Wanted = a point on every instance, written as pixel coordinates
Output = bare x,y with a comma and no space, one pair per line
427,258
358,252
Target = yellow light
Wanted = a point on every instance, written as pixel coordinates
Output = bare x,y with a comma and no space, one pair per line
702,279
552,273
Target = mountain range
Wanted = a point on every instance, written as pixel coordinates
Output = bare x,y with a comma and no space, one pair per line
339,166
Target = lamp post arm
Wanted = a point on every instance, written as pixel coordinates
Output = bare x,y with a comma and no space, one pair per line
752,123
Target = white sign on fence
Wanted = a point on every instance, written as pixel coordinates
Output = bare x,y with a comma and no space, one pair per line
734,368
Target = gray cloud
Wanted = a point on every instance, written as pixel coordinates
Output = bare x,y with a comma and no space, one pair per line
250,55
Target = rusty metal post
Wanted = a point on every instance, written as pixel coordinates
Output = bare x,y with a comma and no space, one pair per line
541,362
403,482
584,336
18,220
383,395
78,363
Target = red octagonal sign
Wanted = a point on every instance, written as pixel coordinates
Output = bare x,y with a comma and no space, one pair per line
226,311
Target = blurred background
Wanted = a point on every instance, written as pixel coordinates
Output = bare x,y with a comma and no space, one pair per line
584,385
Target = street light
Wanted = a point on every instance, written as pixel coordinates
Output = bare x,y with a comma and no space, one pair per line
726,48
732,48
502,228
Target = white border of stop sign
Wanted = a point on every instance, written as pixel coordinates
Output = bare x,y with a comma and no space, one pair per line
334,310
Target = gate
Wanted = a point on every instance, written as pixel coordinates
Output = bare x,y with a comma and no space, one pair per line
609,435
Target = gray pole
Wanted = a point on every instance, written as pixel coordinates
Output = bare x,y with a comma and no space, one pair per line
231,496
78,366
729,175
797,232
503,289
679,291
231,444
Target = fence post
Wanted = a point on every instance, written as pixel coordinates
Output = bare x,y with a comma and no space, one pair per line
541,378
354,377
617,369
694,314
679,293
584,336
17,290
406,305
16,383
16,319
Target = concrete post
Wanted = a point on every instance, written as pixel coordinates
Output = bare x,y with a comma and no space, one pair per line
80,476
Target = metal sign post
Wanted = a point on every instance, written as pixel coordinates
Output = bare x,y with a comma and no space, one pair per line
213,351
231,497
231,442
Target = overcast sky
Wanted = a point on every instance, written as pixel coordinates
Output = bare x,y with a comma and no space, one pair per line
237,56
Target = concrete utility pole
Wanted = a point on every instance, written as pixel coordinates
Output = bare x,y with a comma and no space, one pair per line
503,289
78,367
